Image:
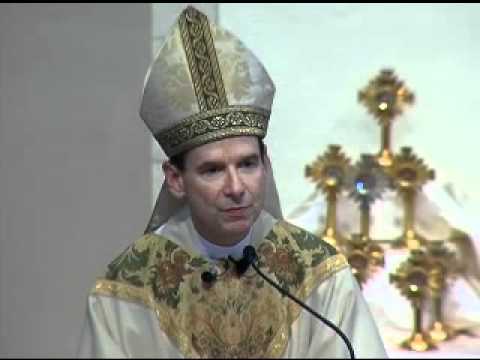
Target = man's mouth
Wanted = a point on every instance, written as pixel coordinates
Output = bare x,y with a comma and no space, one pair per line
238,211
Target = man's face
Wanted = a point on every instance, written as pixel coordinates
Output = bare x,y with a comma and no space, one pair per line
224,185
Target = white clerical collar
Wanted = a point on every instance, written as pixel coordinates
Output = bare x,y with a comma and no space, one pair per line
217,252
180,230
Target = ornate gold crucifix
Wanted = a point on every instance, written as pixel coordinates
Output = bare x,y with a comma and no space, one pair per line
385,97
329,171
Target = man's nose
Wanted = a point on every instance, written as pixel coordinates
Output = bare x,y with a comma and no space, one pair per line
234,186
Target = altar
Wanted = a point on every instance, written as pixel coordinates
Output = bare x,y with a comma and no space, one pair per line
412,242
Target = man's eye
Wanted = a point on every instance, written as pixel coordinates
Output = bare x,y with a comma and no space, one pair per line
211,170
249,163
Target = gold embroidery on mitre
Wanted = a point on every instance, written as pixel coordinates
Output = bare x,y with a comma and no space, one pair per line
202,60
236,317
215,119
213,125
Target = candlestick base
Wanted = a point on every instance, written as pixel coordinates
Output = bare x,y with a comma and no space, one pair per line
418,342
441,332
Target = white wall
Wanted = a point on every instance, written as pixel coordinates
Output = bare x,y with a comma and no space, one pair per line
75,174
320,55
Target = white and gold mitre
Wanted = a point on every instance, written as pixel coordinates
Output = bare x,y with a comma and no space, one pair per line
204,85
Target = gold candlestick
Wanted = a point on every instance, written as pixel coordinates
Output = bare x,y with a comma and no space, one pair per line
364,256
441,260
358,260
328,172
412,279
385,97
439,331
409,174
374,251
365,183
330,233
365,219
385,156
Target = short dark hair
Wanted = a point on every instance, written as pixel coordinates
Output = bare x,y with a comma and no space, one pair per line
179,160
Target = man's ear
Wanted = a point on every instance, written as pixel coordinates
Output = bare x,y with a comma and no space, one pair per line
266,160
173,179
266,157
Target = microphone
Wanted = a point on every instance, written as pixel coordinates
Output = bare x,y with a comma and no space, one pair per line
210,276
249,258
243,264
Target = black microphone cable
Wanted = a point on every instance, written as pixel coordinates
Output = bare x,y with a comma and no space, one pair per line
250,256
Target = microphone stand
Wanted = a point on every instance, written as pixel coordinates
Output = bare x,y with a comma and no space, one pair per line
249,258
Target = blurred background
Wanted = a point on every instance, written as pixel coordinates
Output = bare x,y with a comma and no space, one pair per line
79,171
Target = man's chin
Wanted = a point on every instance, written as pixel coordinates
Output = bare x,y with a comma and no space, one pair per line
239,227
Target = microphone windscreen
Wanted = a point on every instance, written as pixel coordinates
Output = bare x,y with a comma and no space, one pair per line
208,277
249,254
